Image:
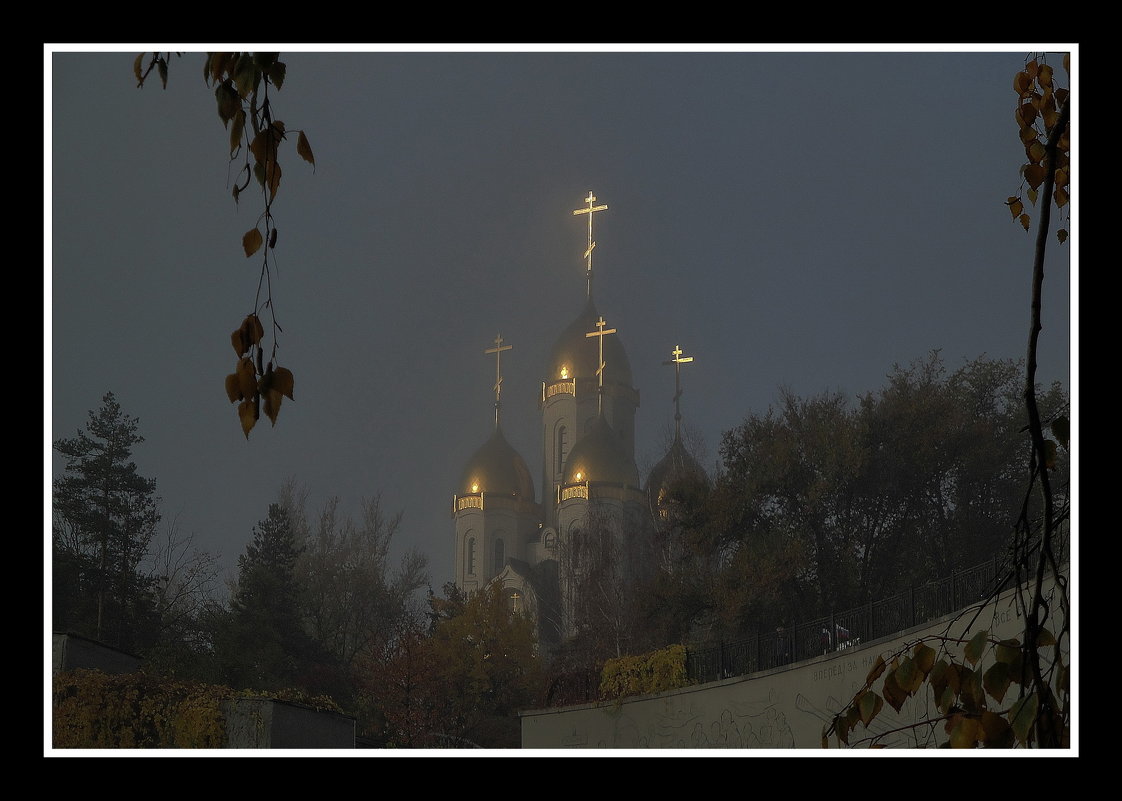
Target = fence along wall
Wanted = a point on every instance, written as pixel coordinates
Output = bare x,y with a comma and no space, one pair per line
782,707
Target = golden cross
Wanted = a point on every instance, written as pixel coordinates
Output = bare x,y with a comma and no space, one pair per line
600,332
498,350
677,361
590,210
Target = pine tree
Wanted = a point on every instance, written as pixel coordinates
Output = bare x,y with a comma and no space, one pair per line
265,646
104,516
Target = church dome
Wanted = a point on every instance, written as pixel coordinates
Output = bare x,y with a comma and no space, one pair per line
677,467
574,354
497,468
599,456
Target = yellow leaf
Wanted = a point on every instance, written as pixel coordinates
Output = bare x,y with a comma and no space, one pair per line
228,102
305,150
238,341
254,331
965,732
996,680
283,382
272,404
136,66
1044,77
247,379
875,671
976,646
1034,174
1016,207
233,388
995,730
1025,221
247,413
1021,82
924,657
1035,152
870,704
1022,715
251,242
1061,196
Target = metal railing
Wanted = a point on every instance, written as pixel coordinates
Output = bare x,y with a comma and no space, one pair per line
870,621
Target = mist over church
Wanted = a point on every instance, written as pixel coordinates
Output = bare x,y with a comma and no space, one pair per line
596,528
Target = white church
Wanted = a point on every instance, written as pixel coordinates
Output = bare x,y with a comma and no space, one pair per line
539,548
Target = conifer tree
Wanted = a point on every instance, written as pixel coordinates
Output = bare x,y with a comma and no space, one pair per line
103,518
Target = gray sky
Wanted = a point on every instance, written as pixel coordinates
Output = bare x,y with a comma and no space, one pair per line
797,219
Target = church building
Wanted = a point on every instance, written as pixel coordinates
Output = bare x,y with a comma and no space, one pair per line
594,518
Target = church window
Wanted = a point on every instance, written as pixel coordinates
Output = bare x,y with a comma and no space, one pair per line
471,556
562,447
500,556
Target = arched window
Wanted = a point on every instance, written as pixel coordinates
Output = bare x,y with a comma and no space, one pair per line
500,556
470,556
562,449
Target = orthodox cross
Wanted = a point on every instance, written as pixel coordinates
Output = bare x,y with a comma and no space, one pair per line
678,361
498,351
600,332
590,210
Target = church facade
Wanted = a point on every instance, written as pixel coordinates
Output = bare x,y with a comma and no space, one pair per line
595,522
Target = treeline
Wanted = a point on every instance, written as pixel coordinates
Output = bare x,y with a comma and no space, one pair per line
317,610
819,504
823,504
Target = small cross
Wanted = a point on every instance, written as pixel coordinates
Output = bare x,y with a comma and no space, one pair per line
590,210
498,350
600,332
677,361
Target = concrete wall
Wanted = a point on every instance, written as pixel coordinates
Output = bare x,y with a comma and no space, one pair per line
71,651
782,708
266,723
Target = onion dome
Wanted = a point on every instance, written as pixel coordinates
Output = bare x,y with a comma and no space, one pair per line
677,468
599,457
497,469
574,354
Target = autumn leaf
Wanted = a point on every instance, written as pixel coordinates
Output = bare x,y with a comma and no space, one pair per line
1022,715
251,242
1061,235
305,150
976,647
996,680
870,705
1025,221
283,382
996,732
228,102
247,379
247,413
924,657
1016,207
136,67
1034,174
233,388
272,404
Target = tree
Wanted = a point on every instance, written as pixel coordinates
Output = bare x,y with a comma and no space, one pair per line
103,518
819,500
350,595
263,646
242,83
970,677
461,683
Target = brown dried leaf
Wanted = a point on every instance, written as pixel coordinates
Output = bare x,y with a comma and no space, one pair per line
233,388
247,379
305,150
251,242
1034,174
136,67
1025,221
283,382
236,131
1015,207
273,401
248,414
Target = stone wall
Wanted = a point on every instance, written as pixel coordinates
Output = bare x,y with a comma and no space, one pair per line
784,708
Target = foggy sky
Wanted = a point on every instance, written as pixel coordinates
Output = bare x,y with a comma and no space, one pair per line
790,219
